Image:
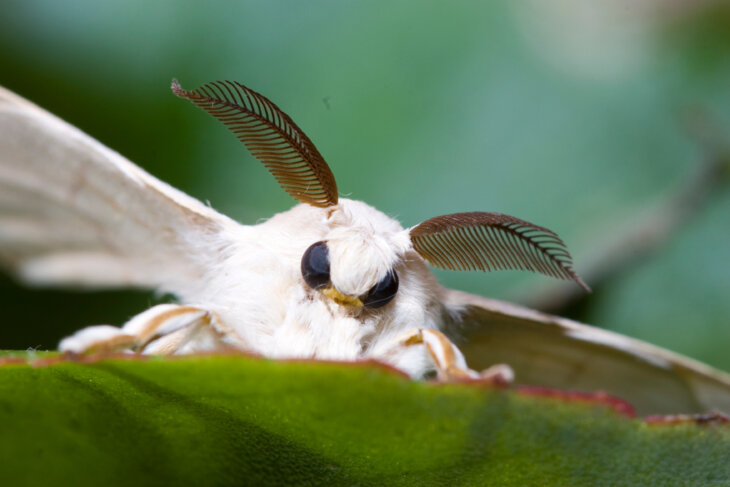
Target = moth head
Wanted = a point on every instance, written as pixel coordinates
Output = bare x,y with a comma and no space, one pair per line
317,271
357,264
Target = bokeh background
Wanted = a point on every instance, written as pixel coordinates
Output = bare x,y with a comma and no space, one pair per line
569,114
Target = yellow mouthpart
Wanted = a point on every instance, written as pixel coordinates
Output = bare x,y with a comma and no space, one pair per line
342,299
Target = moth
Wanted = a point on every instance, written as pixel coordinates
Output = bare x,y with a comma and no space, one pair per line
331,278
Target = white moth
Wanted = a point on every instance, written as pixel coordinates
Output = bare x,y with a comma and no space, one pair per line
332,278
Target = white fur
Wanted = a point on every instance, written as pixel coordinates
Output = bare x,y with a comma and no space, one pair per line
254,284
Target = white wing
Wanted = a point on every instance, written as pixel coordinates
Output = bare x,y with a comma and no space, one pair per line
548,351
73,212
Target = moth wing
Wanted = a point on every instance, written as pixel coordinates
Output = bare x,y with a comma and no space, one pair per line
554,352
74,212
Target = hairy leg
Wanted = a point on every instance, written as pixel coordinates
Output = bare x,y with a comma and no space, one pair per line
163,329
448,359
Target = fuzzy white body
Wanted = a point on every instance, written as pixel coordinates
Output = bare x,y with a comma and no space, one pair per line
254,284
74,212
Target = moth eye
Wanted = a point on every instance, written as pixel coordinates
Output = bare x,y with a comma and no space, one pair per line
383,292
316,266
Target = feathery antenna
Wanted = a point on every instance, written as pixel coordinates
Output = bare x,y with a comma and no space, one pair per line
492,241
271,136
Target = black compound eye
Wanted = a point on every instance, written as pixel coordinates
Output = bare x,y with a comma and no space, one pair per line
316,266
383,292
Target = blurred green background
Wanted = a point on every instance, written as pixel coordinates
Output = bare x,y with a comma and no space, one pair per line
564,113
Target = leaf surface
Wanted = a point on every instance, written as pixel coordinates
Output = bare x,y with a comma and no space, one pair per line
232,420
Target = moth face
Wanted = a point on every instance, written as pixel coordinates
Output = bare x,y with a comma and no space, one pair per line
359,284
356,260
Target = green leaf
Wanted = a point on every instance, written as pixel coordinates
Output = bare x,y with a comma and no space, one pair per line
232,420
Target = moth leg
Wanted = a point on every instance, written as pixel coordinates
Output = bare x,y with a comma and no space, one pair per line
450,362
97,338
163,329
